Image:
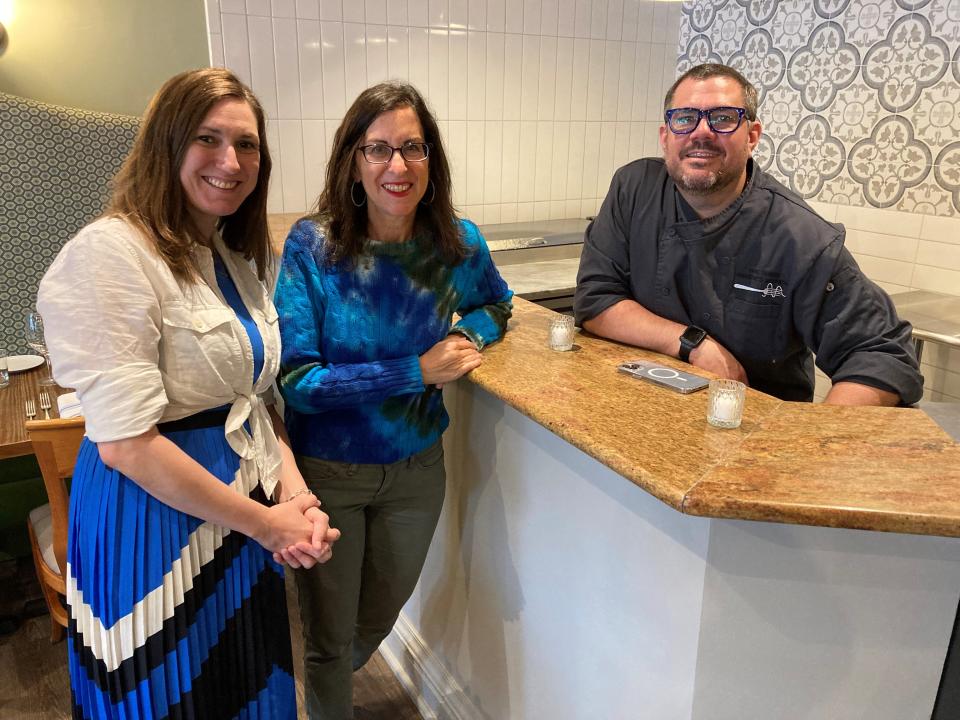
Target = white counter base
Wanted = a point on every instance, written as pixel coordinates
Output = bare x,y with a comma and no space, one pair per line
556,589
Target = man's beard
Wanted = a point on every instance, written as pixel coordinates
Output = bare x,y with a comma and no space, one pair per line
705,184
700,182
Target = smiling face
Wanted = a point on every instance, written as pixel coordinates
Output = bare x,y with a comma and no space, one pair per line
706,163
393,189
222,163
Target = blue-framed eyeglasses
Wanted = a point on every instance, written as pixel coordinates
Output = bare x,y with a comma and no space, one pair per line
683,121
381,153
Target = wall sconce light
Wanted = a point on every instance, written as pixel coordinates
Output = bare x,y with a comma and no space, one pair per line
6,17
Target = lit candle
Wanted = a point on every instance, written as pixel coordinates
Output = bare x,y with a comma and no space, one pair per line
561,334
725,407
558,335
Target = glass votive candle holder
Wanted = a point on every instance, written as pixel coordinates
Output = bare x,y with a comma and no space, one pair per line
725,403
561,333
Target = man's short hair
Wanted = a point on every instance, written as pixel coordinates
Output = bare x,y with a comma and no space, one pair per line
709,70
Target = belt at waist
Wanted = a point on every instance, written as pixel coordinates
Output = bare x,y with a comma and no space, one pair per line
206,419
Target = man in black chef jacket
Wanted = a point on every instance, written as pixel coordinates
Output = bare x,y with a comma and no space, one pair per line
703,256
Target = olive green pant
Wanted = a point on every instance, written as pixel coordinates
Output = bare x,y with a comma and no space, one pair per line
387,515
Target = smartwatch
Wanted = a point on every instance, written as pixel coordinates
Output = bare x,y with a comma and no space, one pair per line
691,338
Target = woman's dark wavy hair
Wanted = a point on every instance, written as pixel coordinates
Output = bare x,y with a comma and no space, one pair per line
147,190
346,224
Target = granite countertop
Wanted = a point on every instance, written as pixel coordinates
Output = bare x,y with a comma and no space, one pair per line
887,469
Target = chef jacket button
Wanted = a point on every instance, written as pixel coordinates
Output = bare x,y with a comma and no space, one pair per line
706,316
665,292
724,260
830,287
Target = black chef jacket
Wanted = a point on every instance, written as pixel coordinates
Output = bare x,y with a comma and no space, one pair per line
768,278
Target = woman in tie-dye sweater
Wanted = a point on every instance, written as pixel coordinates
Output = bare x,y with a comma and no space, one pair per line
366,296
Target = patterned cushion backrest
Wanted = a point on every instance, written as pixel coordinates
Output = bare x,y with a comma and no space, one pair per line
56,164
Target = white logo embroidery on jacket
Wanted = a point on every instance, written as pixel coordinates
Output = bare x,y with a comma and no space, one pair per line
768,291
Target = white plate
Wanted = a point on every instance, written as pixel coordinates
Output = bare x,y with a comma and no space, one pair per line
16,363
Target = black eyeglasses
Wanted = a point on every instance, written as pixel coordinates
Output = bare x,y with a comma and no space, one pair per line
683,121
382,154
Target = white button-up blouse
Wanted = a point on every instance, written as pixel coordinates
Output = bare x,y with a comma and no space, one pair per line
141,347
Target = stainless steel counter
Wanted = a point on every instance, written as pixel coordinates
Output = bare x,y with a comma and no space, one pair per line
532,280
539,260
935,317
518,235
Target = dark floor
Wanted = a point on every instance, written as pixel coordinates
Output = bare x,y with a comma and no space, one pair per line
34,684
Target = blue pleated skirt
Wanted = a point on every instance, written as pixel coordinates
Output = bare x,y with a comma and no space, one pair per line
171,616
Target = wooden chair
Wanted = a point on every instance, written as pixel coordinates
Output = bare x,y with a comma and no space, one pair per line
55,443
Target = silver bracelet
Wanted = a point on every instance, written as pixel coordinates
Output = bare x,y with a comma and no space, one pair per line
298,493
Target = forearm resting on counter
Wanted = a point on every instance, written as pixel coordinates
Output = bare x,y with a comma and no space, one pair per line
851,393
629,322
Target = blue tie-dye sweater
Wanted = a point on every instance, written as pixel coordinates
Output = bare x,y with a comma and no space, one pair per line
353,332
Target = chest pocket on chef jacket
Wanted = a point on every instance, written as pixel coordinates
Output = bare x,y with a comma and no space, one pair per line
194,335
757,294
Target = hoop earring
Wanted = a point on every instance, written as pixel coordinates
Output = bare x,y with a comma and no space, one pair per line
433,194
353,197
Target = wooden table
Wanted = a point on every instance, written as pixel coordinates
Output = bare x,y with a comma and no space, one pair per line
23,385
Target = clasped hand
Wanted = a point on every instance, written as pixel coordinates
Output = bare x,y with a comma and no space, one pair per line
299,533
449,359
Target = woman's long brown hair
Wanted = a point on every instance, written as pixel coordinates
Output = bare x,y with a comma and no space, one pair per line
147,190
345,223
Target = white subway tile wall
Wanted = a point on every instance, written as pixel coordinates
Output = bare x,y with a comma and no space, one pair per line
539,100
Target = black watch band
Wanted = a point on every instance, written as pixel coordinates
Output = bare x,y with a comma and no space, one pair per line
691,338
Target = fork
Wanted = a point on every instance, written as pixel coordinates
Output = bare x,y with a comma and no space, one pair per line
31,408
45,403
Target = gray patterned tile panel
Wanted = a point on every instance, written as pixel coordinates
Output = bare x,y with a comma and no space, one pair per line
860,101
56,164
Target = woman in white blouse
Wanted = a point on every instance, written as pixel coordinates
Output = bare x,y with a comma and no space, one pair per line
160,317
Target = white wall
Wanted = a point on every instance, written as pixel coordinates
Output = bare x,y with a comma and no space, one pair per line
108,56
811,623
539,100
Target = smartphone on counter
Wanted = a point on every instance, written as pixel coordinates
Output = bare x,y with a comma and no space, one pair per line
677,380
